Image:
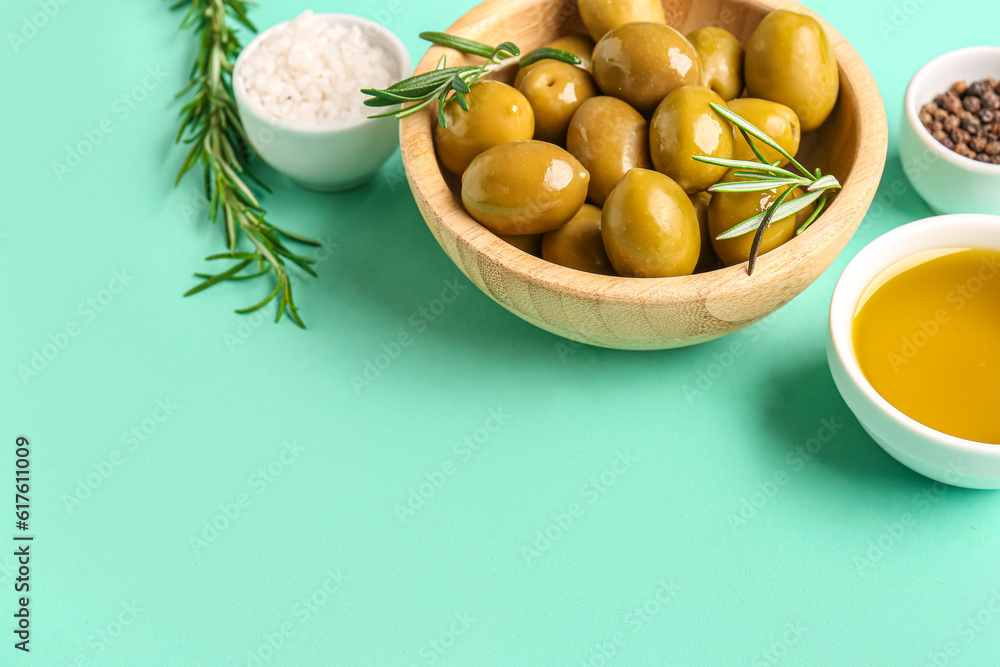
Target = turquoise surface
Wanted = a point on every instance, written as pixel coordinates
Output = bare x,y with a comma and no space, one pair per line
212,489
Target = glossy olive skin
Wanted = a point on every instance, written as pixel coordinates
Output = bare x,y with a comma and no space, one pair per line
642,62
581,46
601,16
555,91
608,137
683,126
721,60
790,60
524,187
529,243
578,244
497,114
650,228
707,259
776,120
731,208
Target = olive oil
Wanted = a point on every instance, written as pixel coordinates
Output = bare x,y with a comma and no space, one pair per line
927,337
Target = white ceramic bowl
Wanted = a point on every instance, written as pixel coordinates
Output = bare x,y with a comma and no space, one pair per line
948,182
937,455
324,158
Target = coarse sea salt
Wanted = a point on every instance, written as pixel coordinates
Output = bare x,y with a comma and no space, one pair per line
312,69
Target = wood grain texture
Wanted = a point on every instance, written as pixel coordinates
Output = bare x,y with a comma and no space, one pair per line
652,313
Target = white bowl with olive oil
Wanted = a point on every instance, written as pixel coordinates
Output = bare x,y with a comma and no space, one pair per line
917,314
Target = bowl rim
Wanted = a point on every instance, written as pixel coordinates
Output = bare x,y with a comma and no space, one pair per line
911,107
843,307
780,266
395,46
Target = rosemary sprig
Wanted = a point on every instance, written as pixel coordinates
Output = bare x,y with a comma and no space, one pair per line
761,176
211,125
445,83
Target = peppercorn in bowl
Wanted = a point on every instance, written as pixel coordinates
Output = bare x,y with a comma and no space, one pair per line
950,131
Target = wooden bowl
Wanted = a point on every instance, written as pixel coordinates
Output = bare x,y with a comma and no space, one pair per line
651,313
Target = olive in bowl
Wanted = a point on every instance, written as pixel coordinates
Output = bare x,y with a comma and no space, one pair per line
524,187
497,114
685,124
790,60
578,244
642,62
608,137
721,60
555,91
650,228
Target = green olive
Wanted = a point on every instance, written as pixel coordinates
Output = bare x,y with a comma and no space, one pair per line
650,228
776,120
707,261
789,60
497,114
578,243
555,90
683,126
642,62
729,209
608,137
524,187
529,243
580,46
721,60
601,16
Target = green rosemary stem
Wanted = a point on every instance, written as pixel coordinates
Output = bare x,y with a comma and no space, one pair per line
211,126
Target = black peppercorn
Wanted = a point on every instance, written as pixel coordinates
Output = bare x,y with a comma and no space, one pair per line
978,88
966,119
971,125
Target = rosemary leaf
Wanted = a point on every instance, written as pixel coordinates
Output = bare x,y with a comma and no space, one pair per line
755,185
545,53
423,84
219,277
267,300
381,98
825,182
753,146
748,165
458,43
459,85
820,205
442,121
506,47
381,102
782,212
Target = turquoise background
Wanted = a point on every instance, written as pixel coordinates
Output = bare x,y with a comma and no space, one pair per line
163,415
